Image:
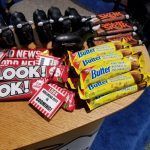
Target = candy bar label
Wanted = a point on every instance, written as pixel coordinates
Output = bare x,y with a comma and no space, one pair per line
23,53
23,72
92,86
14,88
101,71
86,52
12,61
111,15
47,100
89,61
115,25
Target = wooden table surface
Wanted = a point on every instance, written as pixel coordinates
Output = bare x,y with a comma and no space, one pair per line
20,125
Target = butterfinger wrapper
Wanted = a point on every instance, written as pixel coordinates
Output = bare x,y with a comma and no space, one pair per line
84,54
104,71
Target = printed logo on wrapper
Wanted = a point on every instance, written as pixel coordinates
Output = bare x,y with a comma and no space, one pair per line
8,89
18,62
20,89
22,72
47,100
111,15
23,53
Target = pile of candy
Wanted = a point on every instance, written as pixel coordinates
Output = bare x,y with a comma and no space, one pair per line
106,69
107,73
24,72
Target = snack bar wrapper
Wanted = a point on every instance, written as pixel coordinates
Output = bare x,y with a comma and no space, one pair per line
96,50
111,17
101,100
100,59
57,74
107,70
20,90
117,27
111,85
130,38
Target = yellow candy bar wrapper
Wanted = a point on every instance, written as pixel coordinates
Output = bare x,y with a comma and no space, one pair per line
84,54
73,83
104,71
107,86
97,59
45,53
94,103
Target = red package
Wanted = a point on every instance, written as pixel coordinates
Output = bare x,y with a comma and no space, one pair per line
57,74
20,53
48,60
47,100
2,54
61,73
18,62
69,103
115,28
20,90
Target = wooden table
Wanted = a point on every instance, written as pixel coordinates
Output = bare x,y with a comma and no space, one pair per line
22,127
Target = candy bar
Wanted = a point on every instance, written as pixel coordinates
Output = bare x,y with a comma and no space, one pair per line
20,90
47,100
98,59
107,70
111,85
98,101
58,74
110,17
61,73
100,49
130,38
115,28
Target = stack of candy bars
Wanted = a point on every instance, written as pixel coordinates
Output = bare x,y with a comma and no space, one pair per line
106,70
24,72
68,31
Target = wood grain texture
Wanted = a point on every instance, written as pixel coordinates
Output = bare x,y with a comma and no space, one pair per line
20,125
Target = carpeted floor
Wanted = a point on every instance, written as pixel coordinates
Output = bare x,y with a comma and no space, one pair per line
128,129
